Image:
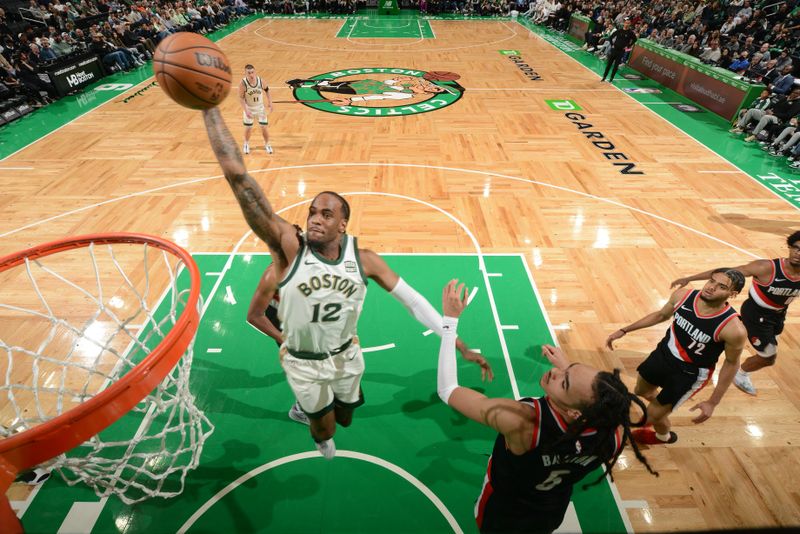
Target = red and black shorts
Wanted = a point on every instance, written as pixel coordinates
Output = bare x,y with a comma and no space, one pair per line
678,380
763,326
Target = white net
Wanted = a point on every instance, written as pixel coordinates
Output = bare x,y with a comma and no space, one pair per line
73,323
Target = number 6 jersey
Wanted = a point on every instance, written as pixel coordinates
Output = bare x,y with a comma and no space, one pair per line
320,299
535,487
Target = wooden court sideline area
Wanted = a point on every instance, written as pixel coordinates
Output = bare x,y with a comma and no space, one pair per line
499,168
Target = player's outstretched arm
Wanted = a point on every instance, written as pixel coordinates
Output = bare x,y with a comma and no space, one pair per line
734,335
506,416
278,234
417,305
650,319
758,269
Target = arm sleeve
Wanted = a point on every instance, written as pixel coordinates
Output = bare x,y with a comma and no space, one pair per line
447,374
418,306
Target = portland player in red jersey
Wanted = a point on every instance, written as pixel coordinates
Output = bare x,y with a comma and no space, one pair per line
704,325
776,283
544,445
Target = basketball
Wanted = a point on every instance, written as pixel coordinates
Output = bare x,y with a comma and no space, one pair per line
441,76
192,70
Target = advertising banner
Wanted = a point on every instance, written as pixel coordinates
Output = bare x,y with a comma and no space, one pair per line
73,76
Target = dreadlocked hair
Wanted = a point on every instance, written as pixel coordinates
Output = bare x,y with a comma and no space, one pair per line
609,411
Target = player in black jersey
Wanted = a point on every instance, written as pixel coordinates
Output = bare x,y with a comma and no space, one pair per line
704,325
776,283
545,445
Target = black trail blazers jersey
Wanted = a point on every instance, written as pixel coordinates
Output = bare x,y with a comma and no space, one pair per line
538,484
779,292
694,338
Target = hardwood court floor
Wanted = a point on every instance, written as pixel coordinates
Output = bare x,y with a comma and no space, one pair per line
499,171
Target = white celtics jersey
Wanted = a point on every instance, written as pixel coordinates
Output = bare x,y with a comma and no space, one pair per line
254,94
320,299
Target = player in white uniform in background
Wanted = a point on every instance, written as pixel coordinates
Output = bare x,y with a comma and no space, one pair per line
323,281
252,93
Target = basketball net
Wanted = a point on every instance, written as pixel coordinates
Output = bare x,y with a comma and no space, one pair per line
76,322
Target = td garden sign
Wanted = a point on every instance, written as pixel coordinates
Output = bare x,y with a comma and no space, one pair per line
378,92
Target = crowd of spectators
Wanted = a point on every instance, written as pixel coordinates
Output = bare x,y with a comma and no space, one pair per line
122,35
300,7
758,41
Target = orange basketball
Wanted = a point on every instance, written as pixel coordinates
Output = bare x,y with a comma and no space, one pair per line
192,70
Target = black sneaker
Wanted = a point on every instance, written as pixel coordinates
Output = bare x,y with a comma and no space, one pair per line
34,476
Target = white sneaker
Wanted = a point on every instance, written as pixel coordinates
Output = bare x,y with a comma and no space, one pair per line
246,148
269,148
297,414
327,448
743,382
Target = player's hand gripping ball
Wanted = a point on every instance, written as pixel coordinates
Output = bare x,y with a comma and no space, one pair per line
192,70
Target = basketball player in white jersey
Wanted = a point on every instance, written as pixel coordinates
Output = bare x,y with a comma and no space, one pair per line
252,93
322,285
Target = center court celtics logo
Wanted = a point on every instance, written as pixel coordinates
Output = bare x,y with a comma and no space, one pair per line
378,92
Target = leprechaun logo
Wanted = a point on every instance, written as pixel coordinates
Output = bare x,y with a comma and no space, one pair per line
378,92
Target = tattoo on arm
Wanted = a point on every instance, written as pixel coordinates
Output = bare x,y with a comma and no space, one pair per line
256,208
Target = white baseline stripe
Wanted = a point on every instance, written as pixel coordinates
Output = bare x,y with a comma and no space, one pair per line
81,515
20,507
399,471
570,524
636,504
